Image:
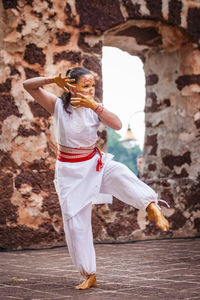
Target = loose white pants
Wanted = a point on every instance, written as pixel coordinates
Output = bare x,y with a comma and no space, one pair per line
79,238
119,181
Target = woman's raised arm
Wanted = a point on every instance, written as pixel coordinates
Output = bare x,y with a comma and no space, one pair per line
46,99
34,87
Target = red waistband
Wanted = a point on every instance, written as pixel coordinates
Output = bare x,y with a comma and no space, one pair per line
74,155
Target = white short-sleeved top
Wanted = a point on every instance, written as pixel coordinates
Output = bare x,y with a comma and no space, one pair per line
78,129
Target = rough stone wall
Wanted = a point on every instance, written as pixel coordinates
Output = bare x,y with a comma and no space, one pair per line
37,38
172,136
43,37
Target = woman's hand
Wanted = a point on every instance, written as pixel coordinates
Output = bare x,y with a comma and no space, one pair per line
84,101
63,82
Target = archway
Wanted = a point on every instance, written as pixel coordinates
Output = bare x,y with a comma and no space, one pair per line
124,94
124,89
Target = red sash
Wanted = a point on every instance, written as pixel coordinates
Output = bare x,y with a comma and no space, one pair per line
73,155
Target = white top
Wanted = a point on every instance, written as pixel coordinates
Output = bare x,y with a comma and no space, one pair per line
76,130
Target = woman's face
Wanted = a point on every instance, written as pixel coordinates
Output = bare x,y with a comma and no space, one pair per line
85,85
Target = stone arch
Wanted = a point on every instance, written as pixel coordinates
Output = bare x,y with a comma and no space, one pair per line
164,49
44,38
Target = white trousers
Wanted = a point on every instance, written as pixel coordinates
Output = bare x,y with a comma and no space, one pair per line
119,181
79,238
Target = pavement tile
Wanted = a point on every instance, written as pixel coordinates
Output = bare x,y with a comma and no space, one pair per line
152,270
11,298
22,292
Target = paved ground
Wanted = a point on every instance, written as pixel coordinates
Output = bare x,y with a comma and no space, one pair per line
158,269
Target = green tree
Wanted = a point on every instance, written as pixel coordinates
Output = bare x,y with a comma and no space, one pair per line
122,154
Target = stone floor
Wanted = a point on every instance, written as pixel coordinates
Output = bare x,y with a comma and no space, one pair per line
156,269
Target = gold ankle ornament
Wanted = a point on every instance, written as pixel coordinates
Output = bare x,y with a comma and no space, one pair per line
154,214
88,283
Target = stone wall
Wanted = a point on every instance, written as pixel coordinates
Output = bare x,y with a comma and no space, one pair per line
46,38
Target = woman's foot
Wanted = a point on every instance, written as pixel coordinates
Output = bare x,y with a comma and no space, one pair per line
155,215
89,282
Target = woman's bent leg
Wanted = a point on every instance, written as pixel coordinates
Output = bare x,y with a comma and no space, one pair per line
79,238
119,181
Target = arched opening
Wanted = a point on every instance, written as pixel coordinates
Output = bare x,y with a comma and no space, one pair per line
124,89
124,94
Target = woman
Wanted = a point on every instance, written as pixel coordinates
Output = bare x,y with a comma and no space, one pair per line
82,172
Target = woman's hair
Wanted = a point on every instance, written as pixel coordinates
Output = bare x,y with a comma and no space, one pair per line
75,73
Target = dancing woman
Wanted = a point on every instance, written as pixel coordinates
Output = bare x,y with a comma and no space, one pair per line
82,172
